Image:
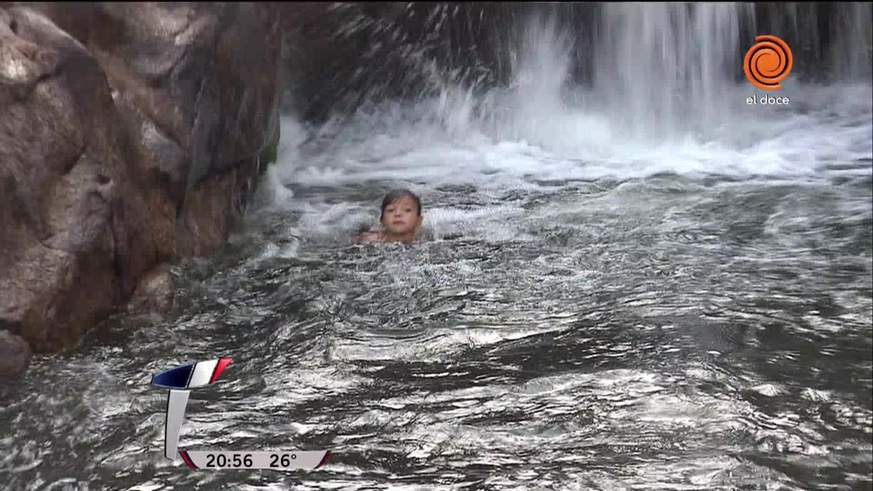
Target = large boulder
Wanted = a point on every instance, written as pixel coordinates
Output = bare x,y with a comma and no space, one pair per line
199,85
130,135
64,164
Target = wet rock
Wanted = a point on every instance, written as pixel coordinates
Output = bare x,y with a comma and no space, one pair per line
63,165
341,56
198,84
14,355
213,208
130,135
155,292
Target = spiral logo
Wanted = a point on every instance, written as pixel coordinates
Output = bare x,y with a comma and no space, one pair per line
768,62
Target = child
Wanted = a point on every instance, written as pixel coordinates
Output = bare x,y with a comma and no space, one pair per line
401,219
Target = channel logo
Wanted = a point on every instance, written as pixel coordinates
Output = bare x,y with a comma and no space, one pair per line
768,62
179,381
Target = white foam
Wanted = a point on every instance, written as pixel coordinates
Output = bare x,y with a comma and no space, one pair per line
539,129
577,143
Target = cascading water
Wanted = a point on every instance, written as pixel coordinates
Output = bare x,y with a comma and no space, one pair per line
664,70
629,277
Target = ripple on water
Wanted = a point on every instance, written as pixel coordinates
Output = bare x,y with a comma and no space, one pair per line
686,330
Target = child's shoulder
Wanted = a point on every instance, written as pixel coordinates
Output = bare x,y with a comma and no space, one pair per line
369,237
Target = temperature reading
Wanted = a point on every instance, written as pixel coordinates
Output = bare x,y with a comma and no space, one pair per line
282,460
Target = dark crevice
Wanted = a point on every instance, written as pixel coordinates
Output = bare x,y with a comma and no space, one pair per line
12,326
74,161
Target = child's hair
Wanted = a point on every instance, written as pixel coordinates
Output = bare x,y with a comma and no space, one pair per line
396,195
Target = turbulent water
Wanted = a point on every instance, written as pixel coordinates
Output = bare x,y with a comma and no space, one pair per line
595,303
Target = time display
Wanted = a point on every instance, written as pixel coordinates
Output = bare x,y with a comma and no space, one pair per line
230,459
279,460
234,460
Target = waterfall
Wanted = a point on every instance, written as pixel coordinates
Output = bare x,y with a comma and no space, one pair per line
631,71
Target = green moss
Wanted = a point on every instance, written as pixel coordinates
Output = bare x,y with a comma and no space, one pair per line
269,154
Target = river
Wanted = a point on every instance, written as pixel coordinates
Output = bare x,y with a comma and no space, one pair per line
592,306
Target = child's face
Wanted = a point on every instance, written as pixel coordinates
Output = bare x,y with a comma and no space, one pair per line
401,217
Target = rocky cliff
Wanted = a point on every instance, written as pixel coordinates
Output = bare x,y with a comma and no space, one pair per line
130,136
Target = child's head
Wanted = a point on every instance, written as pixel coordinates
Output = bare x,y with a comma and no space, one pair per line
401,212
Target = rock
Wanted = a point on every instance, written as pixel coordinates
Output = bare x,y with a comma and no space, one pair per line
14,355
155,293
130,135
199,87
342,55
199,81
213,208
63,165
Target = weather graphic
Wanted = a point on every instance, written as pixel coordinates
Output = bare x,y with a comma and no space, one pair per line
768,62
179,381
